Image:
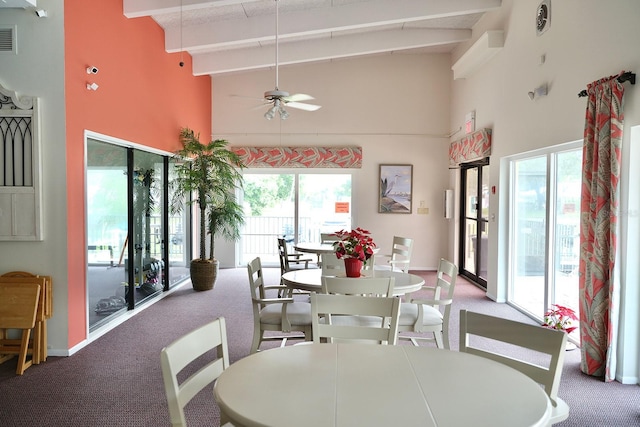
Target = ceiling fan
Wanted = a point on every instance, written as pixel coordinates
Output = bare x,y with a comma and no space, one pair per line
279,98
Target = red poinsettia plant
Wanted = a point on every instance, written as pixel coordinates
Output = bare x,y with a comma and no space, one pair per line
561,318
356,244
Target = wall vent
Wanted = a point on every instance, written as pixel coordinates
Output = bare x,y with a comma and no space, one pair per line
8,40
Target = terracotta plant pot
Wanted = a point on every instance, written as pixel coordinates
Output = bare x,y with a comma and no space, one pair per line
352,267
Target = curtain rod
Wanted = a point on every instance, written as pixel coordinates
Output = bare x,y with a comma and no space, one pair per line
627,76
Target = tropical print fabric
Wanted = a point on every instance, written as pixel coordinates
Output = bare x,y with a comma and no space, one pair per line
300,157
598,231
475,146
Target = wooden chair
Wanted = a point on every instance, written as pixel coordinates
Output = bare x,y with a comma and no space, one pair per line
45,309
400,256
357,310
183,351
549,342
275,314
18,310
431,315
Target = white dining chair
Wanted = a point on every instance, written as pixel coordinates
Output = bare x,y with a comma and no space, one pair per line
182,352
328,238
291,261
364,286
331,265
550,343
368,287
326,309
282,314
431,315
400,255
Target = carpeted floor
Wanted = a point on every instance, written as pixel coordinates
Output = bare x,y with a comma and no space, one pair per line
116,380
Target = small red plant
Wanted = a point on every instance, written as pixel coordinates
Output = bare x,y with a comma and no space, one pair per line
561,318
356,244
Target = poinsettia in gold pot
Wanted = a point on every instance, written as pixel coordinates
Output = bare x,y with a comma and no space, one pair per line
211,173
355,247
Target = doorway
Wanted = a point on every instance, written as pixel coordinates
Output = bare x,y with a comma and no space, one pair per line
474,221
135,249
544,229
294,205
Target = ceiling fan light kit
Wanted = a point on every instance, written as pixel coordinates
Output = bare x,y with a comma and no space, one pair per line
277,108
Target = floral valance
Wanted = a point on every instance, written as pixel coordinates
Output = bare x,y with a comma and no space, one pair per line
300,157
474,146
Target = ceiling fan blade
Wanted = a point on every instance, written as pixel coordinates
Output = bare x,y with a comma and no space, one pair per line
246,97
302,106
296,97
260,106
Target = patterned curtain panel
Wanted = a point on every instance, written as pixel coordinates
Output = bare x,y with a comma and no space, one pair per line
598,230
300,157
474,146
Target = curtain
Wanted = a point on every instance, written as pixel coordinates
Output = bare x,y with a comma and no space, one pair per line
599,288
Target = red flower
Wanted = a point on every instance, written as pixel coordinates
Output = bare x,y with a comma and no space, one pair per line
561,318
356,244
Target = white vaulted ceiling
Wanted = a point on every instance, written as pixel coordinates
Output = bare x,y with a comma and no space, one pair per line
225,36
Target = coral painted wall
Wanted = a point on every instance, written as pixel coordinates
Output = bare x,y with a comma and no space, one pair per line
144,97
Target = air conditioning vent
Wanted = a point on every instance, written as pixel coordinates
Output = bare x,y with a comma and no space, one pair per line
8,40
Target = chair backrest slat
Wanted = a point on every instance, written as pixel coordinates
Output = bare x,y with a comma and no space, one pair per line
541,340
328,238
366,286
354,317
401,250
183,351
331,265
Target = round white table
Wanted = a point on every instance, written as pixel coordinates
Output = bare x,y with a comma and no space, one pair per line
348,385
314,248
311,280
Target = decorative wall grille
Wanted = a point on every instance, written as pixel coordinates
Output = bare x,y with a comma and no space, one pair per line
20,186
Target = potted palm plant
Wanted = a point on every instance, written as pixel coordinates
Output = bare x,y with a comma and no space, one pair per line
211,176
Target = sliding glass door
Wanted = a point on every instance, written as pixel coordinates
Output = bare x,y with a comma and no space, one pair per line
544,230
293,205
135,248
107,230
147,233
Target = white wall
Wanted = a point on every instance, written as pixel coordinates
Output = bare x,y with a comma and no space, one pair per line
587,40
38,70
395,106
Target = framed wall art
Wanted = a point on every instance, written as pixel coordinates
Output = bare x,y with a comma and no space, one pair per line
396,186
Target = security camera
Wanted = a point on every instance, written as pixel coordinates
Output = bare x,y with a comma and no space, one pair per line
41,13
531,95
92,70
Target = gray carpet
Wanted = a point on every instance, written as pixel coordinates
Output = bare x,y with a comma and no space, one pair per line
116,381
